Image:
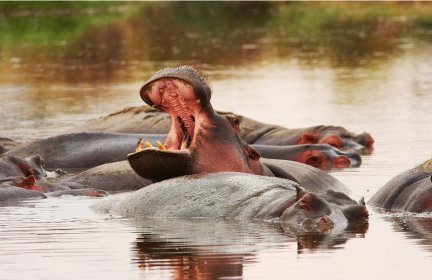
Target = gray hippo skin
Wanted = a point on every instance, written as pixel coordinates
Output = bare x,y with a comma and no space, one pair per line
11,195
83,149
112,177
240,196
409,191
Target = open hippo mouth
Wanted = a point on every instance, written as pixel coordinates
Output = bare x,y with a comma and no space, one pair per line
185,95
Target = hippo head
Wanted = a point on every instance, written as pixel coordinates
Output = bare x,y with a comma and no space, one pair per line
33,165
200,140
324,212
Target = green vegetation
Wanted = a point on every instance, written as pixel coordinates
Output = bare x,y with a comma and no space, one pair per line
53,23
211,32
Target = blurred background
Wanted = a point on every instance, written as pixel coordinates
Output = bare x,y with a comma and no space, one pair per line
64,62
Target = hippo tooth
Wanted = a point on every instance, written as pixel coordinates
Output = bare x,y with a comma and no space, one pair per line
160,145
148,144
197,100
140,145
184,144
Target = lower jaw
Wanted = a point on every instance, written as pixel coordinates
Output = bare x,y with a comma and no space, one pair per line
158,165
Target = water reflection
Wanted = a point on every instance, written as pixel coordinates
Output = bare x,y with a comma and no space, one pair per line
210,250
418,229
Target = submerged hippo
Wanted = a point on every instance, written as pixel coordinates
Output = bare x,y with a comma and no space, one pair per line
240,196
409,191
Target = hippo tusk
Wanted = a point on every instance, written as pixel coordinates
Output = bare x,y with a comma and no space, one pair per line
160,145
140,145
148,144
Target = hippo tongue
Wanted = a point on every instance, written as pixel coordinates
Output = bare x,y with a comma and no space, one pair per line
158,165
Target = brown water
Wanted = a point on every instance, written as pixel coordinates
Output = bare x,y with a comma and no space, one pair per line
369,74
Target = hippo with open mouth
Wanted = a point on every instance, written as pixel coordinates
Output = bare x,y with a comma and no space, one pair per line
200,140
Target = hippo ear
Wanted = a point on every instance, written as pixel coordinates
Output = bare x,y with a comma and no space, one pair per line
300,192
362,201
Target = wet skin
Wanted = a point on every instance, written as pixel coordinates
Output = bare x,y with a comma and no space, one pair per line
240,196
409,191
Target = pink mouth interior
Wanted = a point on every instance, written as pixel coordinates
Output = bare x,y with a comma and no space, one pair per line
180,100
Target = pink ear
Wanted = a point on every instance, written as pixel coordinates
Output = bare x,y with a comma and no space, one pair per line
300,192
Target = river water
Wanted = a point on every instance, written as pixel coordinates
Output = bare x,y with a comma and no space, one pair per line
367,73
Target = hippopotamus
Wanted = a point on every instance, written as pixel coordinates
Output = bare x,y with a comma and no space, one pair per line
241,196
24,179
409,191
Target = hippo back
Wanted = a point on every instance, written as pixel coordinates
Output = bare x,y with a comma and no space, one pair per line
225,195
311,178
408,191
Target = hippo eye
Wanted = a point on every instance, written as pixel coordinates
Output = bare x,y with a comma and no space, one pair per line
235,123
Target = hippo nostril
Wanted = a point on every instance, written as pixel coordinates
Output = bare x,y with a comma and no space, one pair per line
313,158
366,140
341,162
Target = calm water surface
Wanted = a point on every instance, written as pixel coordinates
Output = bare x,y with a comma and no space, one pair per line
268,65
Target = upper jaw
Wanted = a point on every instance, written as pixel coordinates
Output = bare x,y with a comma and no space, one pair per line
185,73
184,94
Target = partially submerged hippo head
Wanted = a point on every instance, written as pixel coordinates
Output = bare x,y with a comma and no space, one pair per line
324,212
200,140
